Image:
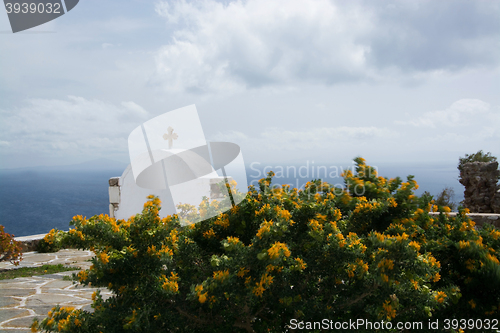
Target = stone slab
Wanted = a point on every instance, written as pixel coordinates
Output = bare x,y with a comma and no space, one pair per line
12,313
23,297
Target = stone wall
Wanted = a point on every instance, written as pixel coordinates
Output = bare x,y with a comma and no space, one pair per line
496,203
481,193
29,243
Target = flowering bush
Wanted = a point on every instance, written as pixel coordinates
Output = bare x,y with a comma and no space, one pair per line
52,242
10,249
370,252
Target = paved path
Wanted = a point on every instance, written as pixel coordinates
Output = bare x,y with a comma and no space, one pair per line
25,298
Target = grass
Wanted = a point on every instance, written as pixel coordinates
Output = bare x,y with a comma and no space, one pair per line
30,271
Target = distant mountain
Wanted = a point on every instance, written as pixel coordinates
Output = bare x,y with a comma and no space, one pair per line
94,165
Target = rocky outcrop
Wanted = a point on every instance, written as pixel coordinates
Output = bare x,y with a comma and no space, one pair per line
481,189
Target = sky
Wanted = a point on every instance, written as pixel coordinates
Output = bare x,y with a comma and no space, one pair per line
289,81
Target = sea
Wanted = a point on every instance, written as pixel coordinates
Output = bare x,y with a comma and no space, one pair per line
35,201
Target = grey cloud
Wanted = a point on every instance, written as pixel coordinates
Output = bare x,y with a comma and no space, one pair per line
218,47
435,35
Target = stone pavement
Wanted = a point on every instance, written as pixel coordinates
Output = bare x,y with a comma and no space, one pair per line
25,298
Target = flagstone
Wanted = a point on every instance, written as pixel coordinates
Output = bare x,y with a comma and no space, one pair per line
42,310
20,298
21,322
57,284
6,301
40,299
17,292
12,313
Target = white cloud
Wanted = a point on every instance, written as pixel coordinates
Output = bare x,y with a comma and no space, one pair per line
256,43
251,44
462,113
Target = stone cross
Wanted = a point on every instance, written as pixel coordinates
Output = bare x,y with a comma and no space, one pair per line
170,135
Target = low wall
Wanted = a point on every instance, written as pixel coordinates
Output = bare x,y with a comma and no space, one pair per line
479,218
29,243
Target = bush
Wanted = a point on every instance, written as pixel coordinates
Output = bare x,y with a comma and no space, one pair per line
10,249
444,199
369,253
52,242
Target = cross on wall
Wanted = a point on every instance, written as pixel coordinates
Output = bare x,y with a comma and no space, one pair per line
170,136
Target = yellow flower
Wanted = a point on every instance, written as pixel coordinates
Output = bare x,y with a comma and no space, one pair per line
392,202
202,298
233,240
351,268
151,250
389,311
62,323
362,265
259,290
492,258
315,225
170,284
386,263
34,326
114,226
463,244
166,250
301,264
221,275
266,279
495,234
472,303
284,214
209,234
380,237
104,257
222,220
415,245
264,228
274,250
440,296
242,271
83,275
414,283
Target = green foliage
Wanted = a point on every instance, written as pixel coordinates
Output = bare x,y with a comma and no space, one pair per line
372,252
477,157
443,199
52,242
10,249
30,271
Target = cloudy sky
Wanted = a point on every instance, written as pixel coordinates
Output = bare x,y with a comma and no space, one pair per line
288,80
